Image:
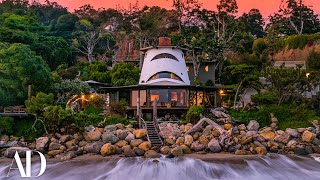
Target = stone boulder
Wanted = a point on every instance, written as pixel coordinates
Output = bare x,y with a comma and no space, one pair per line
228,126
253,125
308,136
188,139
241,152
66,156
10,152
41,143
180,141
121,143
140,133
138,151
146,145
71,143
54,152
54,146
108,149
121,134
92,136
65,138
282,137
109,138
135,142
203,140
151,154
186,149
165,150
129,153
261,150
129,137
177,151
245,140
94,147
268,135
196,146
110,128
214,146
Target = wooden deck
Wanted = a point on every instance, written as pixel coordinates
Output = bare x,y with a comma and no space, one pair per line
14,111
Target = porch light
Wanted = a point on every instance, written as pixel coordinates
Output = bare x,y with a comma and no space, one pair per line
82,96
221,91
308,74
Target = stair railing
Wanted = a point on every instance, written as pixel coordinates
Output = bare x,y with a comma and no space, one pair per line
156,125
144,126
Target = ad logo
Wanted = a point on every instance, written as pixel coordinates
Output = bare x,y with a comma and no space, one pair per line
27,172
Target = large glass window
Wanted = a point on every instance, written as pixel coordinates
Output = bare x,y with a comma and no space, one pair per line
134,96
164,55
165,74
143,98
168,97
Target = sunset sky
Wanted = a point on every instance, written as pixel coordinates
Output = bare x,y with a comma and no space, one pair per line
266,7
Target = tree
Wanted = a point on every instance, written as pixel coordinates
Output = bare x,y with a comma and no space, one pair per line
97,71
20,67
36,106
245,76
125,74
253,22
67,88
86,44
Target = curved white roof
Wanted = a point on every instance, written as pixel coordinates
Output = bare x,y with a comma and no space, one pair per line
167,60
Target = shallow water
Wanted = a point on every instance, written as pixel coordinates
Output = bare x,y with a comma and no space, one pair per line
273,166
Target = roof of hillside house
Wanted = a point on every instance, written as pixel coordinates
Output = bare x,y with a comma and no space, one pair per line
156,47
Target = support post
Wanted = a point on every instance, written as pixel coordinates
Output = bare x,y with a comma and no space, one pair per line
29,92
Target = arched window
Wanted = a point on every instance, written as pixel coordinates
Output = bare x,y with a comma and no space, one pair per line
164,55
165,74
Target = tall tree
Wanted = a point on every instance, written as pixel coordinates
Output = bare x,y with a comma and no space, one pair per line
253,22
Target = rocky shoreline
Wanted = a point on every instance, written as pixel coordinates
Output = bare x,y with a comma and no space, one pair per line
179,140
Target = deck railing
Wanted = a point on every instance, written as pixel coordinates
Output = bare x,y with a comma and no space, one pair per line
14,109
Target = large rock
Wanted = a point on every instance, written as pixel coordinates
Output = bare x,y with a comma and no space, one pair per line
242,127
121,134
228,126
196,146
316,141
94,147
65,138
268,135
135,142
108,150
54,146
245,140
54,153
4,138
203,140
138,151
145,146
261,150
121,143
165,150
308,136
110,128
151,154
129,137
71,143
109,138
241,152
292,132
180,141
300,151
41,143
188,139
185,149
282,137
92,136
129,153
140,133
10,152
66,156
253,125
214,146
177,151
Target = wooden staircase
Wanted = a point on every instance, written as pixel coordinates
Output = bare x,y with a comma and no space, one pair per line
153,134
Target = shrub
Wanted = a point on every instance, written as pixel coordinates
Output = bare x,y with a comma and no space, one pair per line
115,119
313,62
82,120
55,117
6,125
92,110
23,128
97,102
118,107
259,45
193,114
289,116
197,83
265,98
209,83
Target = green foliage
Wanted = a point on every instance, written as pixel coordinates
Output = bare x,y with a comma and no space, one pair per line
265,98
23,128
119,107
67,73
115,119
260,45
67,88
92,110
193,114
289,116
197,83
97,71
125,74
209,83
55,117
313,62
37,104
300,41
6,125
82,120
20,67
97,102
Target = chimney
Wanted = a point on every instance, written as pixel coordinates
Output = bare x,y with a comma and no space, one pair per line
164,41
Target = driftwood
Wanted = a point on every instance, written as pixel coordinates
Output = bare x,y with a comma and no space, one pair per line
198,126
